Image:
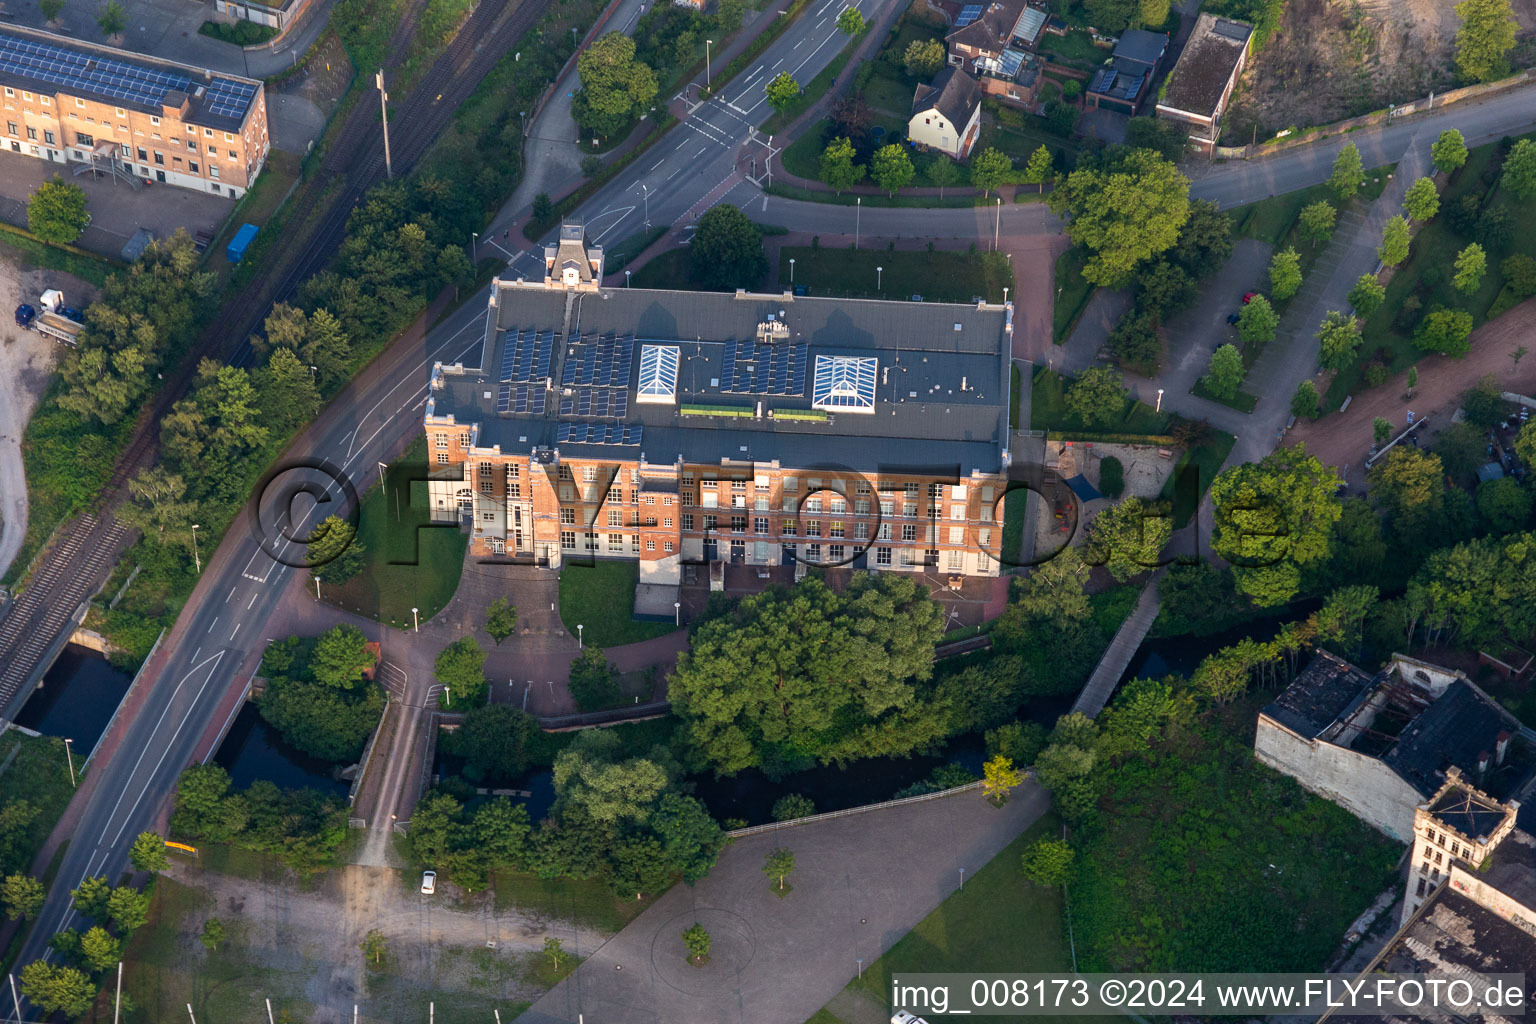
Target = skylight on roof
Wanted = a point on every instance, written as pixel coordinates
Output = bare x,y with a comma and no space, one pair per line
658,375
844,384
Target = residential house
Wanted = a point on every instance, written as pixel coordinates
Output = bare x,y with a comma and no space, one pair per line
946,114
680,429
986,30
1122,82
1201,83
279,14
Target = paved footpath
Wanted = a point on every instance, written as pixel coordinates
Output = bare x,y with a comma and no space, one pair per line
778,961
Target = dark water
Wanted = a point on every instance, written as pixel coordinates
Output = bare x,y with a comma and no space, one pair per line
540,783
253,750
1181,655
76,699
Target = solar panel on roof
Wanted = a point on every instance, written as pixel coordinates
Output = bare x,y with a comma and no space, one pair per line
845,384
598,433
753,369
968,14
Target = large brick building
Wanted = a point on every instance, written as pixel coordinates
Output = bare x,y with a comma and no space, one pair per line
690,428
77,103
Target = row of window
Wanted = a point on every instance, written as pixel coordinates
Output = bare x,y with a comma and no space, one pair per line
836,554
47,101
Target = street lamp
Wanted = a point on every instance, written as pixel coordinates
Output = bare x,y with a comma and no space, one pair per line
626,279
646,190
1159,400
579,642
791,270
317,588
197,560
312,370
707,44
378,81
677,613
381,476
858,208
474,242
415,622
879,271
997,222
71,759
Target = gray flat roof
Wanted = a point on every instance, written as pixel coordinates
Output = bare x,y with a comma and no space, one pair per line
941,382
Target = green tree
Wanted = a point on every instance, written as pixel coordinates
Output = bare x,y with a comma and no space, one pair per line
1519,272
500,620
1394,242
22,896
328,722
594,682
924,57
1338,339
1445,331
1519,177
1471,265
99,949
1525,444
543,207
286,392
891,168
1449,151
727,250
1048,862
990,167
1483,42
1127,538
212,936
1285,273
128,908
112,19
1406,479
779,865
496,738
765,685
588,776
1098,395
1504,505
92,896
615,87
690,839
334,552
148,853
1273,519
1154,12
51,9
340,658
943,172
1040,168
1422,200
1348,173
1317,220
1135,341
850,22
554,949
57,989
1381,430
696,939
1020,742
1225,374
782,90
461,668
838,170
729,15
1304,403
374,946
56,211
999,778
1366,296
501,831
1258,321
160,508
792,806
1124,213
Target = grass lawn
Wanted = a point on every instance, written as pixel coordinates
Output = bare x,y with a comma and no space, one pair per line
1073,49
1015,507
666,270
1048,411
1019,142
587,902
1242,401
600,597
408,562
1206,458
257,206
1271,220
618,255
900,199
938,276
35,771
998,922
1072,293
1193,834
813,90
1426,276
802,157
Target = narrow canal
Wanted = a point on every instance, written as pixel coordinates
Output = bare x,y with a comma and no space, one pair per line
76,699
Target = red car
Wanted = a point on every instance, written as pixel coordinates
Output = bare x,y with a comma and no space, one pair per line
1248,297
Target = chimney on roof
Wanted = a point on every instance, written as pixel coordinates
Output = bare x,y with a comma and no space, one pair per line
1482,763
1501,746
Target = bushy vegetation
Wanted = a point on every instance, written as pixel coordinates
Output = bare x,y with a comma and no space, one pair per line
303,828
317,696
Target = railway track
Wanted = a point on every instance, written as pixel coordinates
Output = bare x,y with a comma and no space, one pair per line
82,556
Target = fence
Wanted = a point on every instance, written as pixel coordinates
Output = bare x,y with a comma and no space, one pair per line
613,716
126,697
753,830
367,756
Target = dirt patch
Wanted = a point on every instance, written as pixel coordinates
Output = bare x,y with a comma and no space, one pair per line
1335,59
27,359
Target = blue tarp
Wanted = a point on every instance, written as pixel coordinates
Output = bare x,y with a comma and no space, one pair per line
1082,488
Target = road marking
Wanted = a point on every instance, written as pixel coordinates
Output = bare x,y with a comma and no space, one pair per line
231,594
237,629
215,622
658,163
253,600
196,653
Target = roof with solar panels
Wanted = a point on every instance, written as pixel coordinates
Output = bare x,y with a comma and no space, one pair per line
617,373
46,63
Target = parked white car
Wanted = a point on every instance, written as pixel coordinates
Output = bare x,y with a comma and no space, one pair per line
428,883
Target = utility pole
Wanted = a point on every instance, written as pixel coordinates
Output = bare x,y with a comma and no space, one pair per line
70,757
269,1012
116,1005
707,44
378,80
195,558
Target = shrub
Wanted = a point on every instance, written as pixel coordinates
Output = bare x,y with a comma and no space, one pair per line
792,806
1111,477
